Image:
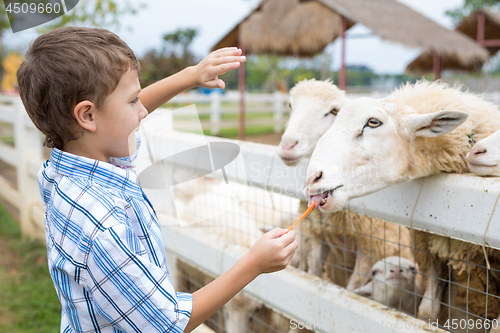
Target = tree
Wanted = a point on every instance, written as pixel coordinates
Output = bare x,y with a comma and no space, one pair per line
182,38
98,13
173,56
471,6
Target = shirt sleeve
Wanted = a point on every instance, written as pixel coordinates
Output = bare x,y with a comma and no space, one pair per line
128,290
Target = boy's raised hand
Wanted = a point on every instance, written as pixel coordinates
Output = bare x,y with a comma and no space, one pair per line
217,63
273,251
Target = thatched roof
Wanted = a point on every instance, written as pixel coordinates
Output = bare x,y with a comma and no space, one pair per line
468,26
491,27
286,27
298,27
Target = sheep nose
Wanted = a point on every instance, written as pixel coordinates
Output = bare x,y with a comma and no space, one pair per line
476,151
288,145
315,178
394,270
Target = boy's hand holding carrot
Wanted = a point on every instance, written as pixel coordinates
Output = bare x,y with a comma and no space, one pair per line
273,251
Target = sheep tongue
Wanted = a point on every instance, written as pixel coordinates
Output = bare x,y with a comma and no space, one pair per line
317,198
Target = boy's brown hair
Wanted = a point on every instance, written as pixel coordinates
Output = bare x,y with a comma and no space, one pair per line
64,67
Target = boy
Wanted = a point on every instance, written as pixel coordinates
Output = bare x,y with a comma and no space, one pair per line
106,257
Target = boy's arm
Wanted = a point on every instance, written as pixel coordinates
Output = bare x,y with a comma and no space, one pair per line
271,253
203,74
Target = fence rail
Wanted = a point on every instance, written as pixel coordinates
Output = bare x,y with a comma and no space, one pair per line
26,157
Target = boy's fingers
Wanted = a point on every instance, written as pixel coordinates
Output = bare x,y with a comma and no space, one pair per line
217,83
276,233
292,246
290,256
228,51
228,59
224,68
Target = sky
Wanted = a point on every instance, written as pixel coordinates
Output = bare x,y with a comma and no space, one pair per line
214,18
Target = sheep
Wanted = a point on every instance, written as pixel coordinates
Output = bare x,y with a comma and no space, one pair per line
315,105
394,282
408,135
484,157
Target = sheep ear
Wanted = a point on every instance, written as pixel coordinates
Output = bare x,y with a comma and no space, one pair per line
434,124
366,290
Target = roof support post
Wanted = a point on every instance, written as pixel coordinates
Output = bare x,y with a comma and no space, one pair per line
241,86
342,74
436,66
480,27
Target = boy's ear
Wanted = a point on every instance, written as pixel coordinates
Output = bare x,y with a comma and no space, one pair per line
84,113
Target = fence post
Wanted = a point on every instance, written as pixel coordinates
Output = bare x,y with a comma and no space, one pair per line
215,112
278,101
28,144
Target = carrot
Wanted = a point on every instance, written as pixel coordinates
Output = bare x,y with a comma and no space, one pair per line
303,215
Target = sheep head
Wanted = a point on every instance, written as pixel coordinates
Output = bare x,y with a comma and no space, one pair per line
315,105
484,157
370,147
394,283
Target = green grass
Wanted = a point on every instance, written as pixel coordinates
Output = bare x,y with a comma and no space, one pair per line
8,140
249,131
227,116
28,301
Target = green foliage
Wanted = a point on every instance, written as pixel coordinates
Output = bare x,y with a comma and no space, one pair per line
471,6
269,73
97,13
29,301
182,38
173,56
232,133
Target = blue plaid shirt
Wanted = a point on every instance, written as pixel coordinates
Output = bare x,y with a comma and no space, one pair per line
105,251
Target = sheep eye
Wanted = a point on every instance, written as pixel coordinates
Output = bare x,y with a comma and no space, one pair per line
289,105
375,272
373,123
333,111
413,270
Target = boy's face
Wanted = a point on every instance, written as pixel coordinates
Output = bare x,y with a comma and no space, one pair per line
119,117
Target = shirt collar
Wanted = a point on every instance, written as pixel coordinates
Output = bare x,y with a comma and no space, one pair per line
105,174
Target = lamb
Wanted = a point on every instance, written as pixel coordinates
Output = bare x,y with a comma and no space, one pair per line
484,157
394,283
405,136
315,105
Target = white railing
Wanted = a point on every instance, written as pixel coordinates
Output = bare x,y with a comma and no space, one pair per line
216,105
26,157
